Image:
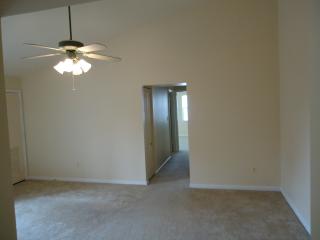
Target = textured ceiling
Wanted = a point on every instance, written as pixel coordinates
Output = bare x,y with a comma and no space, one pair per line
96,21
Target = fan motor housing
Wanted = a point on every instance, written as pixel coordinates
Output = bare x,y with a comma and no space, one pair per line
70,44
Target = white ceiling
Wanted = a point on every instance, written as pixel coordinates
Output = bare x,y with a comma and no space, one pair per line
92,22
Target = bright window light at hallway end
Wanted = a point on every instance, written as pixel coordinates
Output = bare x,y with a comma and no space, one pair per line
184,100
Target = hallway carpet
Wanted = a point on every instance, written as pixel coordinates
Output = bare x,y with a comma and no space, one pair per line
166,209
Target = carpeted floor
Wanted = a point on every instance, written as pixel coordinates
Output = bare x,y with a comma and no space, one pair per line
166,209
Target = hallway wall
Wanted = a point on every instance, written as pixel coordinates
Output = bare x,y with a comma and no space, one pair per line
161,124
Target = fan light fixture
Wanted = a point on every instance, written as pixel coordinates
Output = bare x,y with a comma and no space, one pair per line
77,67
72,64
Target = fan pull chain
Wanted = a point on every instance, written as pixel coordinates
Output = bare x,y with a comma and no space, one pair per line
73,83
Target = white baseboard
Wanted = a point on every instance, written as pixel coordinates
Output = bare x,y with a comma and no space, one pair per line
90,180
162,165
296,211
235,187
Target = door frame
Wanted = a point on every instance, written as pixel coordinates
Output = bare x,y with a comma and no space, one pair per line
148,163
22,125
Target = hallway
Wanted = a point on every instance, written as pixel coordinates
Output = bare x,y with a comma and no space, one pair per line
175,171
166,209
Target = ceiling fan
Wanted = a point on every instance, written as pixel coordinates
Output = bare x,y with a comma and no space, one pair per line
74,51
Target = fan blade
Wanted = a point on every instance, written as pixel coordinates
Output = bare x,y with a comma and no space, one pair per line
92,48
102,57
43,56
45,47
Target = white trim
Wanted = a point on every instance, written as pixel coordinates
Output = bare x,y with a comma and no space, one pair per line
162,165
89,180
22,125
296,211
235,187
13,91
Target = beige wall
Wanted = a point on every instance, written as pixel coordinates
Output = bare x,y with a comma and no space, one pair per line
95,133
315,126
226,51
7,220
12,83
299,137
161,125
233,96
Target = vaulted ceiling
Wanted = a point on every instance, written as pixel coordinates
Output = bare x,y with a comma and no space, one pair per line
97,21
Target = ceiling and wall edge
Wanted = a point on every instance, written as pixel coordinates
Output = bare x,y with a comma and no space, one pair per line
13,7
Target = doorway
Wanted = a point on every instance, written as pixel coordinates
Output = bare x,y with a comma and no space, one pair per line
165,125
16,136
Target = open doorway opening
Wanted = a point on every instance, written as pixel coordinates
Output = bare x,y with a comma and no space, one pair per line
165,127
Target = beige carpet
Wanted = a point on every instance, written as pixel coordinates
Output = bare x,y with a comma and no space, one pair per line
166,209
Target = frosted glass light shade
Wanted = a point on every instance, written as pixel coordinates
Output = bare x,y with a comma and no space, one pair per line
77,69
68,65
74,66
85,66
59,67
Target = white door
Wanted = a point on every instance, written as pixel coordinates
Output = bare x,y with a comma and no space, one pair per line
148,132
16,136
